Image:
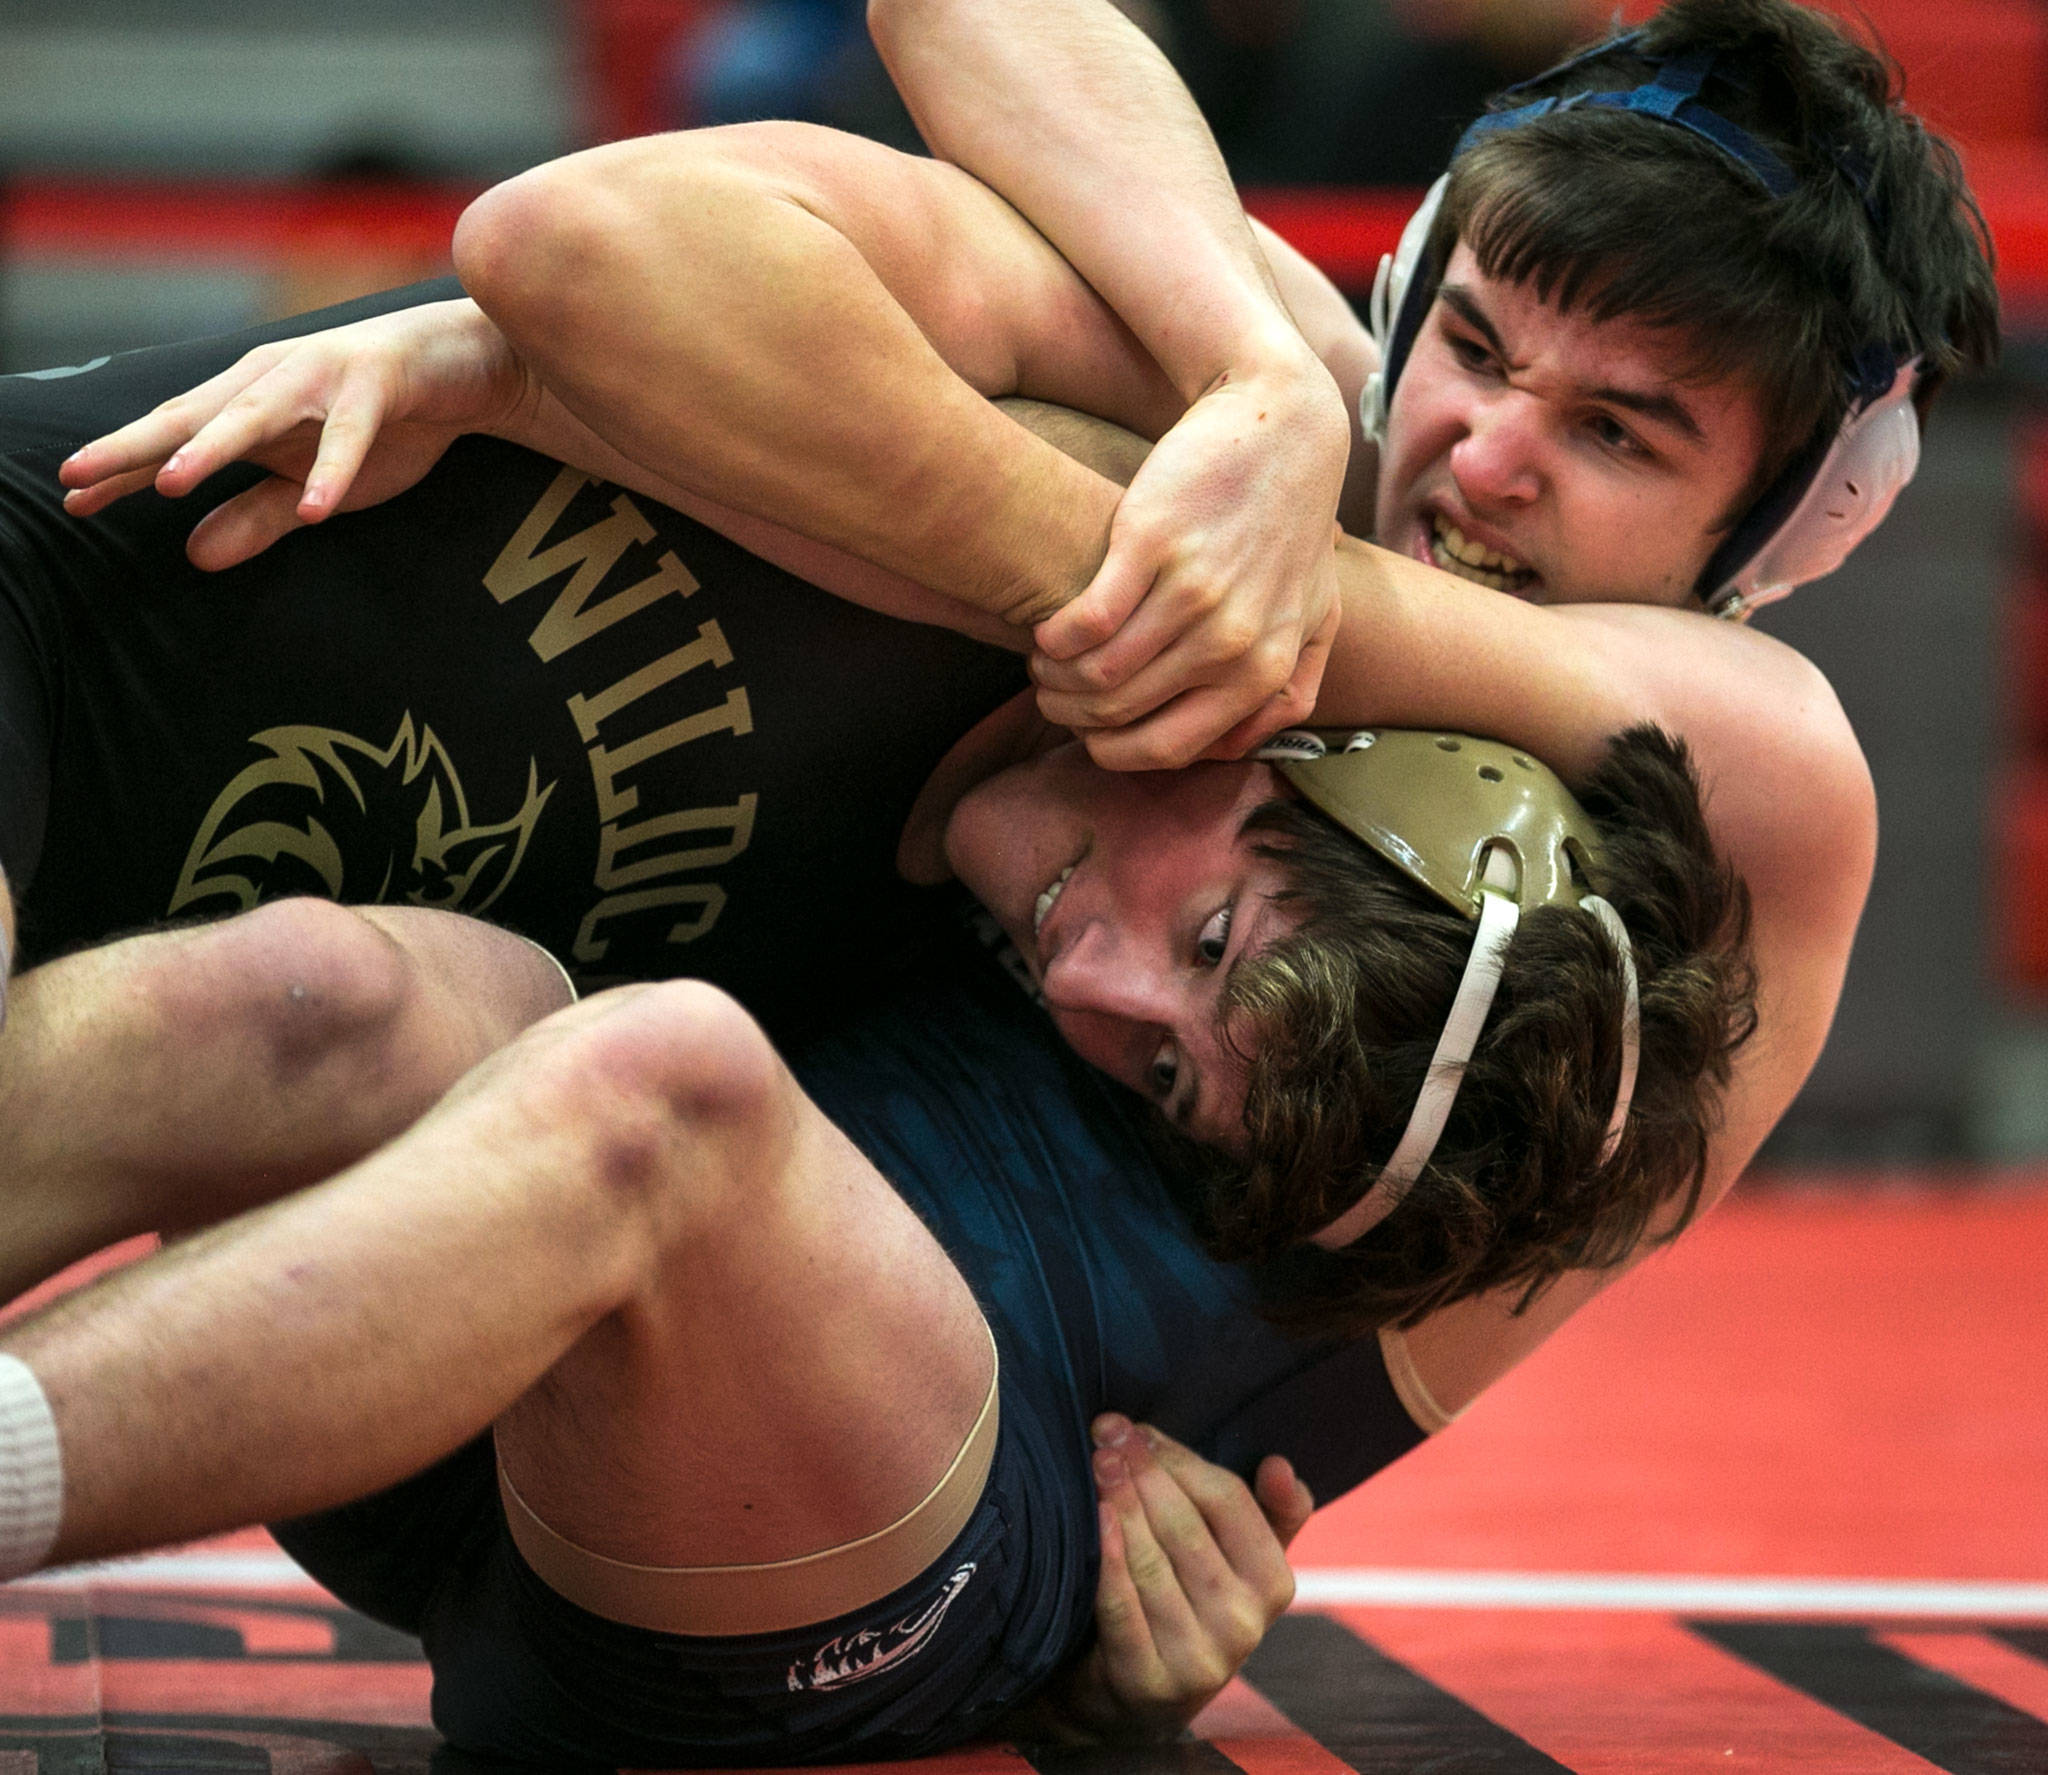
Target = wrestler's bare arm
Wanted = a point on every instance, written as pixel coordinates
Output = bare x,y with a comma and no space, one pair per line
348,417
783,345
1788,797
1069,112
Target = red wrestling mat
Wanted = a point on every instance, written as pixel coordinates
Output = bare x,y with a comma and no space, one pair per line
1778,1503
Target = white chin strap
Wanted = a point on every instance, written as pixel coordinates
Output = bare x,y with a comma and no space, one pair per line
1498,916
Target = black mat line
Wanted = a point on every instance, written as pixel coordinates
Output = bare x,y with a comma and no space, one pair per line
1186,1756
1378,1715
61,1753
1932,1714
77,1639
2033,1641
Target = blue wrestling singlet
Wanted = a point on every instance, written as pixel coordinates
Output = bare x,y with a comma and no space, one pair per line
1029,1167
1032,1173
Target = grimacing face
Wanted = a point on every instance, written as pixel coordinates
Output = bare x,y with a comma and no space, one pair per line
1556,457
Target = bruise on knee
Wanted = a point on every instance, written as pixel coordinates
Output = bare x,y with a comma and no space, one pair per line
296,986
687,1107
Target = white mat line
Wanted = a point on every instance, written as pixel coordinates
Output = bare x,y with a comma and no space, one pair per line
1677,1593
1337,1587
197,1569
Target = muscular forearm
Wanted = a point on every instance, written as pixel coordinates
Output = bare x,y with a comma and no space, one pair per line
1067,110
689,306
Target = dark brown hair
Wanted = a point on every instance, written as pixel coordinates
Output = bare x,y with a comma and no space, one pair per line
1339,1019
1619,215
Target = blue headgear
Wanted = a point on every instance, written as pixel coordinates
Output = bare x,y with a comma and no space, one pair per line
1830,497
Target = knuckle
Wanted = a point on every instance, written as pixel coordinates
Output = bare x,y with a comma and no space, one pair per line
1273,658
1201,595
1143,534
1245,1626
1295,704
1155,1689
246,405
1093,673
1117,711
1115,1611
1152,754
1227,1488
1232,635
1091,627
1149,1568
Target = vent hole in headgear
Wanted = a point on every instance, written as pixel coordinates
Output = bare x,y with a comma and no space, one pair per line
1489,774
1523,762
1447,745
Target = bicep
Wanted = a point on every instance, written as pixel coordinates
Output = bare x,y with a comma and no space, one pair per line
1789,803
996,301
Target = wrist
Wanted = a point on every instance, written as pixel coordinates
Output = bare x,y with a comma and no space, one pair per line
1279,359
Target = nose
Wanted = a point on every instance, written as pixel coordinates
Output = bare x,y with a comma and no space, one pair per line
1499,461
1099,974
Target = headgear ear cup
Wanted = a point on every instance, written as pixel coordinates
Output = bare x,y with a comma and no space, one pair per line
1399,301
1872,458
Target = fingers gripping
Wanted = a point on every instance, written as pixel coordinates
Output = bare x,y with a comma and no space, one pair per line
1120,587
1192,1575
1237,1573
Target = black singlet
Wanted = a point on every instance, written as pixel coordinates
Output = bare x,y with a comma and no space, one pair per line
511,692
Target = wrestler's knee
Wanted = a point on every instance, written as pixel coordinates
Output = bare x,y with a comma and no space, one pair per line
301,984
674,1094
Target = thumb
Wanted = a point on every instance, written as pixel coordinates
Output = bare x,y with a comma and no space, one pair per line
1287,1502
1102,606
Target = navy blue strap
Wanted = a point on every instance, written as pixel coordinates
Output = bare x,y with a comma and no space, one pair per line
1672,97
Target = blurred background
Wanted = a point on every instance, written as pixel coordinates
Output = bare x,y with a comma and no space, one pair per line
172,171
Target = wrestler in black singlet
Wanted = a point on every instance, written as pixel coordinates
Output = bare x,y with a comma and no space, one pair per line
516,694
510,692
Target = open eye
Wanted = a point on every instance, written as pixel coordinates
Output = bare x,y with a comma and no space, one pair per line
1471,352
1611,434
1165,1072
1214,941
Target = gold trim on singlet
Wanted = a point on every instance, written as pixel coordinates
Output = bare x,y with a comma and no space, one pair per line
719,1600
1409,1386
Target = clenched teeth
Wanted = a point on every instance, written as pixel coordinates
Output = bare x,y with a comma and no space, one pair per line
1451,549
1041,909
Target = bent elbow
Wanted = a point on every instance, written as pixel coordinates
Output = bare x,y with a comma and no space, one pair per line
502,239
526,248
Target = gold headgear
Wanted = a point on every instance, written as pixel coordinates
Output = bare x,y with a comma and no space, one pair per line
1492,833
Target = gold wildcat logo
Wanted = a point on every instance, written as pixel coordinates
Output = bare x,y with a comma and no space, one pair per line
384,824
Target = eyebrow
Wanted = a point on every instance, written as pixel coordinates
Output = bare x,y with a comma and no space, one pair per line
1661,408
